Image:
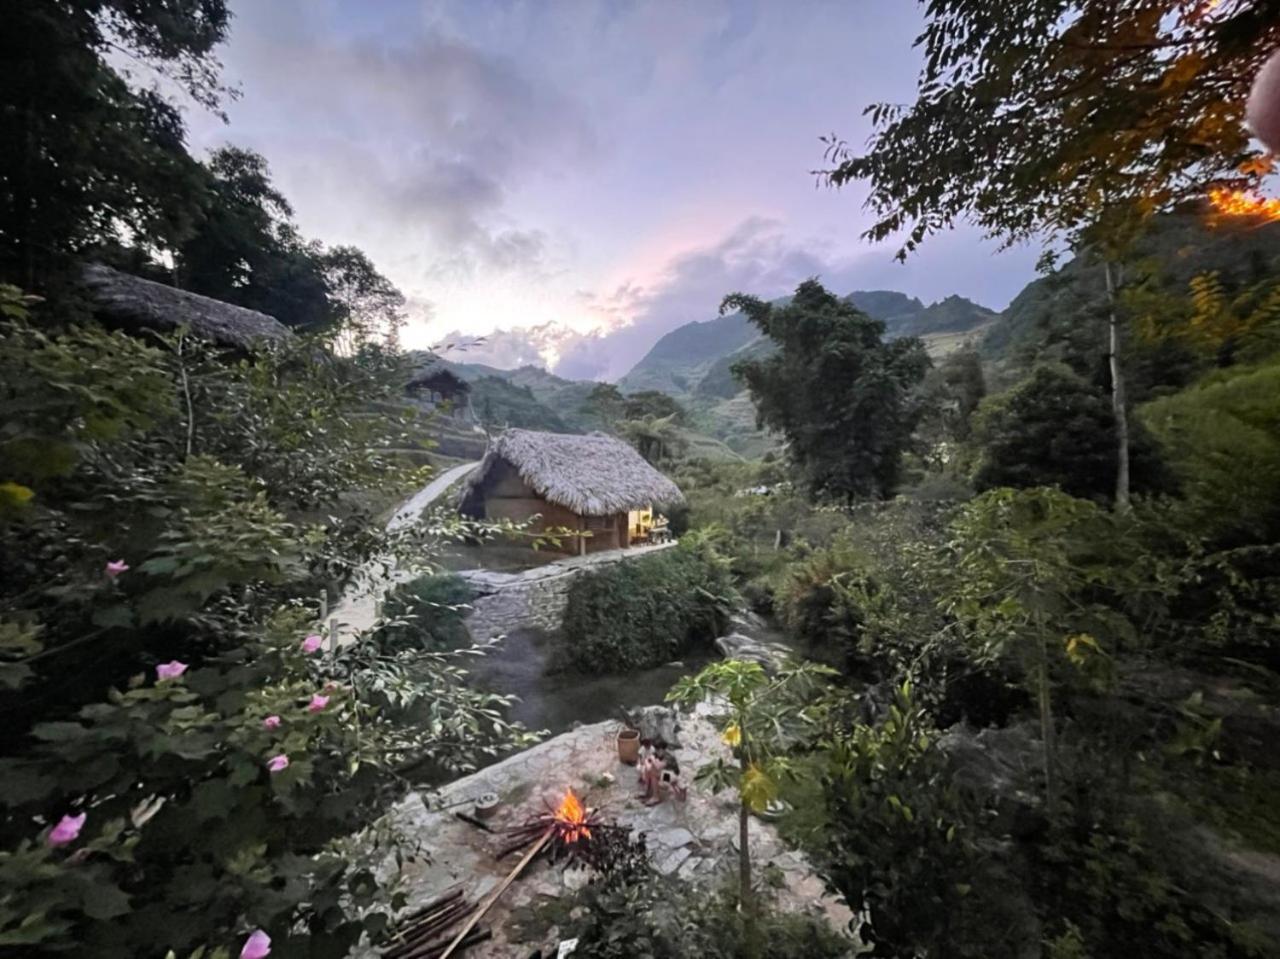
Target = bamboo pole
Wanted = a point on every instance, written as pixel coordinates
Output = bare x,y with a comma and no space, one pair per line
502,887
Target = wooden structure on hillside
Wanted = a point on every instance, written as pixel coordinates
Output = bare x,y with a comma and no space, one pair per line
434,386
595,484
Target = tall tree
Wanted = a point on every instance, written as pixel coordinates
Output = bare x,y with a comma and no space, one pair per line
246,249
838,392
1067,121
87,156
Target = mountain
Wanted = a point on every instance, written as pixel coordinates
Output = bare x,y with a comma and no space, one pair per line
682,357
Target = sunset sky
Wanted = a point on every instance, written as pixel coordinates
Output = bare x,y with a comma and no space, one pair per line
583,175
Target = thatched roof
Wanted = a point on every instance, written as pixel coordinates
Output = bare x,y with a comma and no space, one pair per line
133,303
592,475
431,372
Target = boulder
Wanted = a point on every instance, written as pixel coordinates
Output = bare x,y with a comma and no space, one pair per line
655,723
772,656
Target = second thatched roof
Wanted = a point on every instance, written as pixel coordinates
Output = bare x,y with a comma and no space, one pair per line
592,475
130,302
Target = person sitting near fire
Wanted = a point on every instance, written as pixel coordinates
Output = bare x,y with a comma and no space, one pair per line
659,771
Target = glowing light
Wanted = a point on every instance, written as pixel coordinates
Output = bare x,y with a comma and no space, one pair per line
1243,203
571,817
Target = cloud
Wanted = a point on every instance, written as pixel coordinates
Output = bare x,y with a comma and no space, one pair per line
759,257
413,136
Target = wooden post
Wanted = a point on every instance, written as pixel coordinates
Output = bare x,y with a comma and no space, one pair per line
582,540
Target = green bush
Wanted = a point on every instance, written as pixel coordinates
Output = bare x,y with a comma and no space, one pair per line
427,613
648,611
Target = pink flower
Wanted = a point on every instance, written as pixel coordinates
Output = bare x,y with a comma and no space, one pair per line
317,703
170,670
271,722
311,643
67,830
116,567
277,763
257,946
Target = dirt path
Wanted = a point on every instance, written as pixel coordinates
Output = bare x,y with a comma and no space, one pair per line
358,609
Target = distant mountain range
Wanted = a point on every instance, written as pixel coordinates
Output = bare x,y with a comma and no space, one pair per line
693,363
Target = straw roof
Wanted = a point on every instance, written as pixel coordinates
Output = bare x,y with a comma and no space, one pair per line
592,475
133,303
431,372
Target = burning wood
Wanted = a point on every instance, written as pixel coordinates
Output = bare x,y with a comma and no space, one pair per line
569,825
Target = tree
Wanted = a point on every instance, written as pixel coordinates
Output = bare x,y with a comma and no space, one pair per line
767,715
656,438
652,403
1067,120
246,249
606,403
86,155
1055,429
367,307
838,392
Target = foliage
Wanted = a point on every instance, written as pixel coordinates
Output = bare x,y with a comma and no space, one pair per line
767,716
848,436
646,612
896,838
84,148
501,403
1031,117
1054,429
1220,436
656,917
159,512
653,403
427,613
656,438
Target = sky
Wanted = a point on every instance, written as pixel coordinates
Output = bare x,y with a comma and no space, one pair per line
571,179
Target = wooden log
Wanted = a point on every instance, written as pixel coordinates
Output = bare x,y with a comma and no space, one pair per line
434,928
433,905
473,938
473,821
497,893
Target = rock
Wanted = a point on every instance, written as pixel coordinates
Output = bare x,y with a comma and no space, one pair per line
747,623
673,838
575,879
771,656
999,767
655,723
674,860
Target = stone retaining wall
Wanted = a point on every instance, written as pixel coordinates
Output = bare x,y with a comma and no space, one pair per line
533,598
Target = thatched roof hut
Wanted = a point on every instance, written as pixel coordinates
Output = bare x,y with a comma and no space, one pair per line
132,303
595,483
432,374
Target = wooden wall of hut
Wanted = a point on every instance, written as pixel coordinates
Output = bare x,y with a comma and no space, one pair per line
507,496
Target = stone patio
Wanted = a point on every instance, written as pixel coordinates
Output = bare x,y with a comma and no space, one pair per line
695,840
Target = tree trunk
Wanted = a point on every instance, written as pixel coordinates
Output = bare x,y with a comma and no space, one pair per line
1046,727
1118,409
746,895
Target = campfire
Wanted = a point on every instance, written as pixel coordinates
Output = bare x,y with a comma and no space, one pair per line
566,830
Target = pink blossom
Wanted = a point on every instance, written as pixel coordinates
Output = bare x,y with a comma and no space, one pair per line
116,567
257,946
317,703
311,643
277,763
271,722
67,830
170,670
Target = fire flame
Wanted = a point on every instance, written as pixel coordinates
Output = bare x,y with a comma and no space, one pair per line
1242,203
571,817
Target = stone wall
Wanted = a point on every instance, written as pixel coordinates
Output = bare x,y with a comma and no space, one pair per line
533,598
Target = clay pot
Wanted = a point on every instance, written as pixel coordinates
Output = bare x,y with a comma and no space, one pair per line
629,746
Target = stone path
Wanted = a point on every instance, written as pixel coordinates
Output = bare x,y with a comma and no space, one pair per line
695,840
359,607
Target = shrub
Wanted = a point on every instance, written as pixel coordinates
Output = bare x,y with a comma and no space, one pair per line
645,612
427,613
